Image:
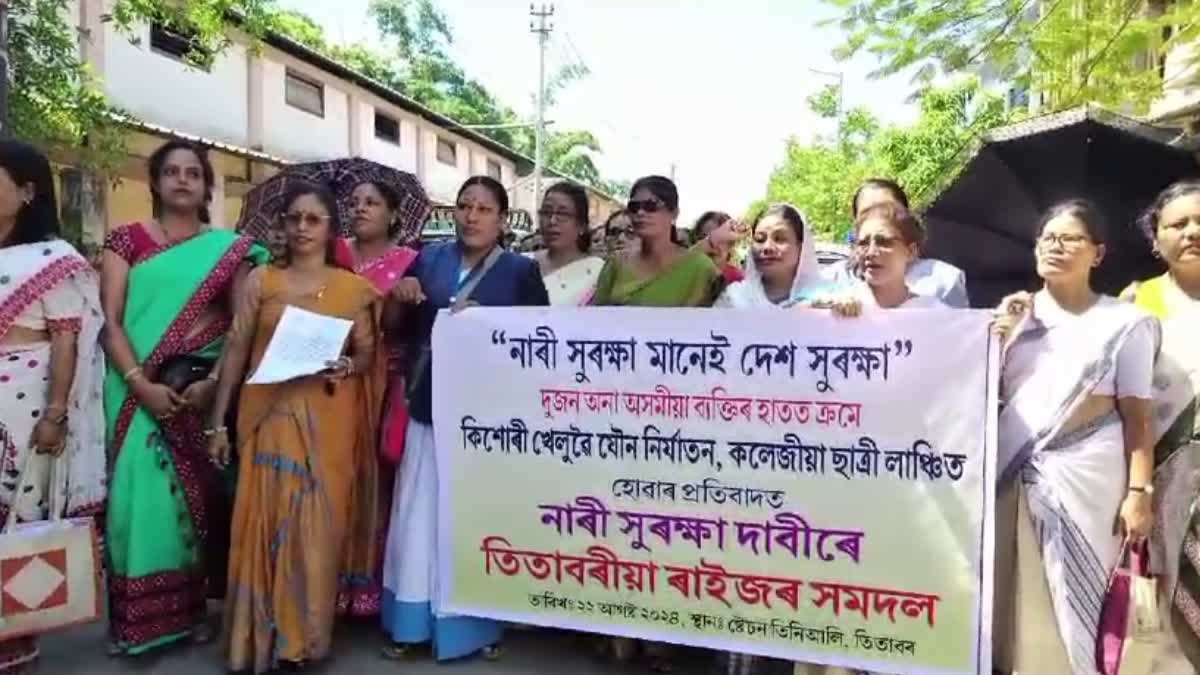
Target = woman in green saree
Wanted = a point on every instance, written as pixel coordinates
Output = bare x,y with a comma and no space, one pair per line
663,273
166,289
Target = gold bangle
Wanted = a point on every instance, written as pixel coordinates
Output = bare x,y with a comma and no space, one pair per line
131,374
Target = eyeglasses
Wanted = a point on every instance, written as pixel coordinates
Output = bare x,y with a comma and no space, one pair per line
547,214
647,205
620,233
880,242
291,219
1067,241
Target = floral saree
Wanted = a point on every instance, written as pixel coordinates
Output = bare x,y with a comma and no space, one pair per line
48,287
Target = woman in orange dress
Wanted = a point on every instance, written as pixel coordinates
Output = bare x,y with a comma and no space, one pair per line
302,445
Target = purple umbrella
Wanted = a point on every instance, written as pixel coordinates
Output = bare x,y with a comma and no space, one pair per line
263,204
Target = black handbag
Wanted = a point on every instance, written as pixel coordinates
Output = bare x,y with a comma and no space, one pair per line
180,372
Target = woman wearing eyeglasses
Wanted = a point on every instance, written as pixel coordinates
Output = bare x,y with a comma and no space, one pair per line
1083,411
472,270
663,273
167,288
568,271
926,276
620,241
887,238
298,447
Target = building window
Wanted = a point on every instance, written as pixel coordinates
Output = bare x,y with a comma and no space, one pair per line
493,169
447,152
387,128
170,42
305,94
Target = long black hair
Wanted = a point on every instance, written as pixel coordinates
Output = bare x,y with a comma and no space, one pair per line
579,201
159,159
38,219
329,201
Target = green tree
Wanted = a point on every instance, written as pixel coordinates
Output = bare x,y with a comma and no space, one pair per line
821,176
1106,51
54,99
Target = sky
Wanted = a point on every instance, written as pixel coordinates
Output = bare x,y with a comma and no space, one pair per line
711,87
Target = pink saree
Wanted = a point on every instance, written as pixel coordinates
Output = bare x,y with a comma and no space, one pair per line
359,597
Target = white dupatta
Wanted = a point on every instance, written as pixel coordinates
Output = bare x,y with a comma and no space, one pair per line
750,291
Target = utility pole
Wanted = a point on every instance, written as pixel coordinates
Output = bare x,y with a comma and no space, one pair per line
841,92
5,131
540,25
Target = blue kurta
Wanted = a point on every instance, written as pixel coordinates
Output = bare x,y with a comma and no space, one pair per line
514,281
411,566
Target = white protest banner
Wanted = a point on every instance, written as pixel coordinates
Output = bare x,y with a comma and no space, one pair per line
781,483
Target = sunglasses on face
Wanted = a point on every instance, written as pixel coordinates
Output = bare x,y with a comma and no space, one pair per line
647,205
309,219
880,242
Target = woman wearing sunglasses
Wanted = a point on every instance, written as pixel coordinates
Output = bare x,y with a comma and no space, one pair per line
472,270
300,448
663,273
568,271
166,287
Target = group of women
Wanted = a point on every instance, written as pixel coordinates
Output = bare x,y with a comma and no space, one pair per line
303,500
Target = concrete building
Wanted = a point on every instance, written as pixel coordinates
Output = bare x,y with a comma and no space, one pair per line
261,107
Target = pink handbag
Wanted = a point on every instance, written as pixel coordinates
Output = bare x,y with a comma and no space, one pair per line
395,424
1130,625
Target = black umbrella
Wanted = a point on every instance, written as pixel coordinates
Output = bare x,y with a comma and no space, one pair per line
984,221
260,211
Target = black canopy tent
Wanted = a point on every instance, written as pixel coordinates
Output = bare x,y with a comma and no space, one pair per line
984,221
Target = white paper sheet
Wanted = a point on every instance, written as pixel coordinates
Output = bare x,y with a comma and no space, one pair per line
303,344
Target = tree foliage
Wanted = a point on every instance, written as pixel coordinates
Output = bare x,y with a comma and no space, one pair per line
820,176
1104,51
55,100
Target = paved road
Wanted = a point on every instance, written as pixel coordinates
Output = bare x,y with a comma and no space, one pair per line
81,652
